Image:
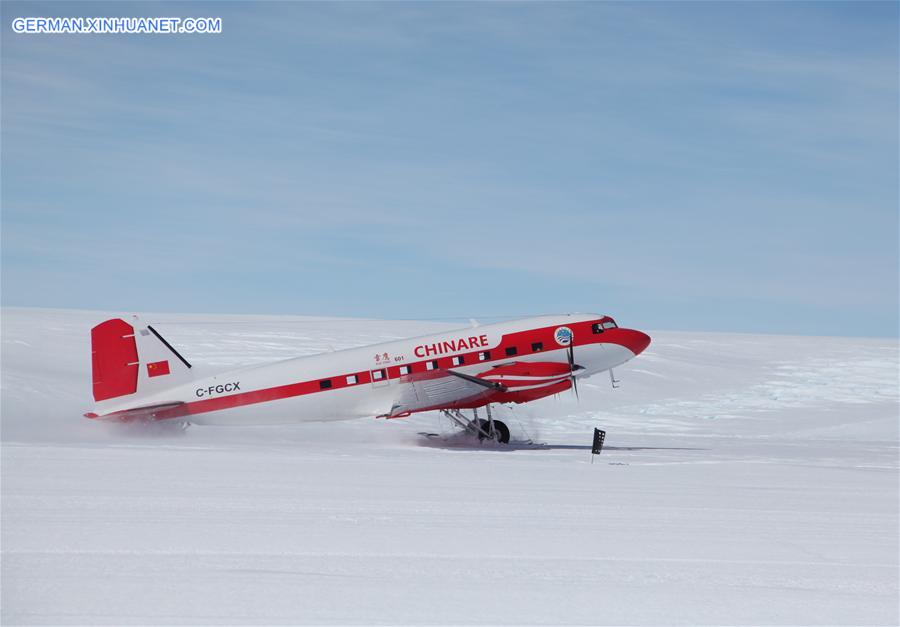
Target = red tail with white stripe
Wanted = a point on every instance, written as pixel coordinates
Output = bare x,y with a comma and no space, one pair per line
130,361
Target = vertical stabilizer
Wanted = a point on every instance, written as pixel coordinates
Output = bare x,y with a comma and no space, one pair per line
114,359
133,360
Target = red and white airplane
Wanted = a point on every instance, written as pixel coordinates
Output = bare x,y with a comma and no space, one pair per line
138,375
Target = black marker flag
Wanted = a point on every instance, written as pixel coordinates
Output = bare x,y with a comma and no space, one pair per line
599,437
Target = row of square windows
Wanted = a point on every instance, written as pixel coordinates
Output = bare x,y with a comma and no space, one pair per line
536,347
458,360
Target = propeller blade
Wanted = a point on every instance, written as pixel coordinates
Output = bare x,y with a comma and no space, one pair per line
571,355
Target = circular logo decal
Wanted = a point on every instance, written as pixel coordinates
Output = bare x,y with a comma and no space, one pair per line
563,336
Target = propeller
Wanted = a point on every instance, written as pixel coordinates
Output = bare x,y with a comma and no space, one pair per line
573,366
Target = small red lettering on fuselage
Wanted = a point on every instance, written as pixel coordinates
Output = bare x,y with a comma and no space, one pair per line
451,346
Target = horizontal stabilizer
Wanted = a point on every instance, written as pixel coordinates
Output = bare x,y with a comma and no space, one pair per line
149,413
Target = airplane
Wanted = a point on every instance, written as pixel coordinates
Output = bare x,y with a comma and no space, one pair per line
139,376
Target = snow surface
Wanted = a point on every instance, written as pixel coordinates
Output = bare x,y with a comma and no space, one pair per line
746,480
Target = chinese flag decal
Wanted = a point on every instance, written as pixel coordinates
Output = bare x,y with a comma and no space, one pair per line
158,368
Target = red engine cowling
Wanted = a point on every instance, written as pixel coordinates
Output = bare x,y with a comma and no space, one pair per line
527,381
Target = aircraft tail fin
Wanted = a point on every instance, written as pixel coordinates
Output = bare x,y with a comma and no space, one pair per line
133,360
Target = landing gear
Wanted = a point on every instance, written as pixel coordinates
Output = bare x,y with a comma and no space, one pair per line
489,429
499,434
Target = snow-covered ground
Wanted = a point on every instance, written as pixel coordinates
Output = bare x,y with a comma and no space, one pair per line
746,480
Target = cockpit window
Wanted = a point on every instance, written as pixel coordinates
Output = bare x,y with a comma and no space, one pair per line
606,323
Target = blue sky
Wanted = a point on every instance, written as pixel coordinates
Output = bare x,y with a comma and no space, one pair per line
701,166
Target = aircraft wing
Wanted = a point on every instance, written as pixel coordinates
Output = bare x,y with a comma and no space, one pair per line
440,389
516,382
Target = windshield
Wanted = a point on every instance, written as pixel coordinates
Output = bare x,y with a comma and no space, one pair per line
605,323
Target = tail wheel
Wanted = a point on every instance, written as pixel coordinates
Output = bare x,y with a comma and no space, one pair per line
501,431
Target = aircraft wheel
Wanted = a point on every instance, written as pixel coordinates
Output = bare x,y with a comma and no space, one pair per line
501,431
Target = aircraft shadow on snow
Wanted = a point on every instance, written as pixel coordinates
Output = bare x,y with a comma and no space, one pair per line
465,441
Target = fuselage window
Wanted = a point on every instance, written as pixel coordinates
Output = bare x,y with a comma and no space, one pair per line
351,379
431,365
537,347
511,350
458,360
597,328
324,384
484,355
404,370
377,375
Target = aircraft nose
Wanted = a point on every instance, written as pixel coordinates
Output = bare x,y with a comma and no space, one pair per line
635,341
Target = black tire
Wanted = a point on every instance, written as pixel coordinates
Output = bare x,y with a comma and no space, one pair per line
500,430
